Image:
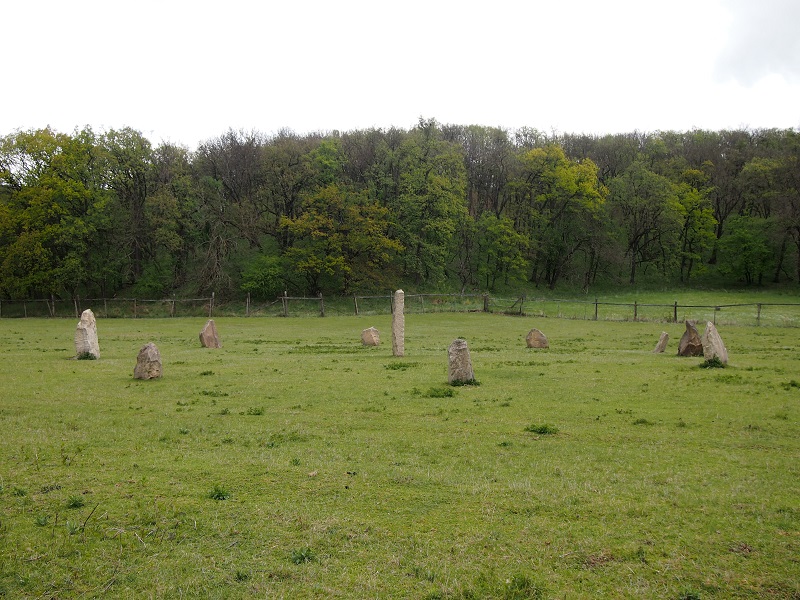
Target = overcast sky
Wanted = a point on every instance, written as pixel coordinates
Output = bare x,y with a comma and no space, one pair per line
186,71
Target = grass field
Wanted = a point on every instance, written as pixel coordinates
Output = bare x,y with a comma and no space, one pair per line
295,463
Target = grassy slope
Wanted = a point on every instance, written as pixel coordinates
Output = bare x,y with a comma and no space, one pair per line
663,479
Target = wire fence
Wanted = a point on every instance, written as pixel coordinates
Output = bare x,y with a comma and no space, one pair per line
747,314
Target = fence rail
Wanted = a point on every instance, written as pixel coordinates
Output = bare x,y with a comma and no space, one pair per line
772,314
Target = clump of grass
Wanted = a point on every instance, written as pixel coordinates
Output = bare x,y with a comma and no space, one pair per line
462,382
302,555
543,429
219,492
213,393
41,520
790,384
440,392
75,502
73,527
712,363
85,356
255,411
643,422
400,366
204,373
20,492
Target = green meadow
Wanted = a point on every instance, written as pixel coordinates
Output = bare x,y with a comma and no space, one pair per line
296,463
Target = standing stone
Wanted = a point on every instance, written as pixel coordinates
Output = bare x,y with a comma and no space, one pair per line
690,344
209,338
86,344
713,345
459,363
371,337
399,324
536,339
148,363
662,343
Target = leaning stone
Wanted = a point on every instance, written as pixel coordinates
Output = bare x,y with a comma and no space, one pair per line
536,339
662,343
371,337
209,338
690,344
399,324
459,363
713,347
86,344
148,363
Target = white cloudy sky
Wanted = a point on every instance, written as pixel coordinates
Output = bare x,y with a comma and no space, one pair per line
188,70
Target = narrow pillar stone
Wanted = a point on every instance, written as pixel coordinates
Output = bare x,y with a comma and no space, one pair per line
399,324
209,338
459,363
86,344
662,343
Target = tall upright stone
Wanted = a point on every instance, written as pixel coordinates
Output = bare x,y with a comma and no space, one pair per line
399,324
713,347
662,343
86,344
459,363
148,363
690,344
209,338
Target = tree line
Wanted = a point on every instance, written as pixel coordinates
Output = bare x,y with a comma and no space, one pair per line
431,207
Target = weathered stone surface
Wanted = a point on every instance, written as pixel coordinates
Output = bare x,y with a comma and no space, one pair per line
148,363
371,337
713,345
662,343
399,324
459,363
690,344
86,336
536,339
209,338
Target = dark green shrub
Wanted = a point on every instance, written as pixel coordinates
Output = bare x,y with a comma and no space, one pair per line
544,429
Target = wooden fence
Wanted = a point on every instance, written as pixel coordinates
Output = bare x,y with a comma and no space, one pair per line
772,314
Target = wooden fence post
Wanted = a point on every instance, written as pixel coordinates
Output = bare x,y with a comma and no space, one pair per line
486,302
285,302
134,309
595,309
521,303
675,312
758,314
211,305
635,310
355,303
247,306
321,305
